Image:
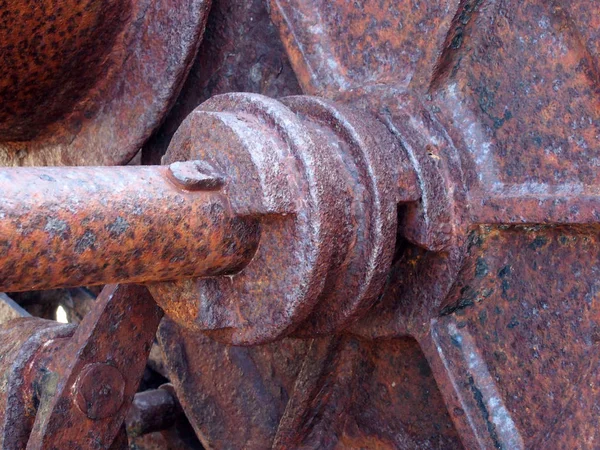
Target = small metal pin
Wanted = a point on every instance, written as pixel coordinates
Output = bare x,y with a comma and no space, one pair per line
195,176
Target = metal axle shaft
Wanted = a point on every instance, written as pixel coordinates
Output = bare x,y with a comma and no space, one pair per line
77,226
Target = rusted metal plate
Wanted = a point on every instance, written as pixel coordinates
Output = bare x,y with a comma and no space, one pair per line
326,393
359,394
517,353
336,46
86,82
528,134
233,396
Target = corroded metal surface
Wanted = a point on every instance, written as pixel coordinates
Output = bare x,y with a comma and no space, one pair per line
89,382
70,388
233,396
241,52
86,82
318,177
324,182
496,104
152,410
336,46
23,341
428,247
307,394
72,227
520,347
360,394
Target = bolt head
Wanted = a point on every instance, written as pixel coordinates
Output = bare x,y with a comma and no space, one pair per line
99,391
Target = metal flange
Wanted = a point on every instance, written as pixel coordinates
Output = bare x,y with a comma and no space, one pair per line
323,182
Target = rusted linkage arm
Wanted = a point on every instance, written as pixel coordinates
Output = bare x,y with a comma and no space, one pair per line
87,384
68,387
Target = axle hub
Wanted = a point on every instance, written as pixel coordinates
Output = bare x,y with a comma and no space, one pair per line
294,200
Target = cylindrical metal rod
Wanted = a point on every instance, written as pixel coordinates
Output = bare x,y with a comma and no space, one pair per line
74,226
153,410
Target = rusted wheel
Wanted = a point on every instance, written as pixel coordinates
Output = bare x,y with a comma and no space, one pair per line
86,82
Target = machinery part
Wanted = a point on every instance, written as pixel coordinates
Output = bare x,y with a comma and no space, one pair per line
242,53
66,387
490,307
76,87
98,391
23,342
180,436
327,183
68,227
305,175
496,105
92,380
333,390
243,408
9,309
153,410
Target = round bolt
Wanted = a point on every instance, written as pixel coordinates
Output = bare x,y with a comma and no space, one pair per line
99,391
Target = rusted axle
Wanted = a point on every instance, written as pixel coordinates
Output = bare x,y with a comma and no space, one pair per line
315,182
95,225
